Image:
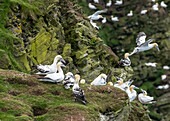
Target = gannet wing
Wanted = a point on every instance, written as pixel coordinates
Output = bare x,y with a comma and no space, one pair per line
147,42
99,12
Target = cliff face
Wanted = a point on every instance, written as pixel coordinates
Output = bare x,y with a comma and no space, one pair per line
121,37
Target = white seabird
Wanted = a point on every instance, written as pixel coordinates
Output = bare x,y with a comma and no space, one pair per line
54,77
114,18
69,80
166,67
153,0
155,7
163,4
130,14
126,61
104,20
94,24
140,38
151,64
144,99
46,69
119,2
100,80
143,12
96,1
110,83
163,77
131,92
96,15
166,86
78,92
92,6
109,3
145,46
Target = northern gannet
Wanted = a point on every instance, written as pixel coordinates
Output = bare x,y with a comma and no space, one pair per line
131,92
82,81
163,4
114,18
47,69
100,80
78,92
69,80
130,14
163,77
96,15
109,3
96,1
166,86
153,0
94,24
140,38
151,64
121,85
104,20
143,12
92,6
144,99
145,46
155,7
126,61
119,2
54,77
166,67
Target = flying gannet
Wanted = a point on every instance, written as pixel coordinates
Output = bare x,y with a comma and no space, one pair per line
96,15
140,38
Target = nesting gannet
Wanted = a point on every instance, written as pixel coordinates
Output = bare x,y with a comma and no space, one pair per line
166,86
145,46
110,83
96,1
151,64
78,92
119,2
109,3
140,38
94,24
82,81
143,12
130,14
100,80
131,92
104,20
126,61
114,18
163,4
155,7
153,0
144,99
92,6
121,85
69,80
166,67
163,77
46,69
96,15
54,77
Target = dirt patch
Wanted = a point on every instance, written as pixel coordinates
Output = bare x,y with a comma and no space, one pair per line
13,93
39,111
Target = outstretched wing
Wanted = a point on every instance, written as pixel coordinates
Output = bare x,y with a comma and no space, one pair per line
147,42
99,12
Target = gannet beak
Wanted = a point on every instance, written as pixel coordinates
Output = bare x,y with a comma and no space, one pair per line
157,48
62,60
63,65
136,88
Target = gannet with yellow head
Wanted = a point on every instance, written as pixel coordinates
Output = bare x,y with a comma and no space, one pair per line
144,99
78,93
47,69
114,18
145,46
143,12
155,7
100,80
119,2
109,3
96,15
130,13
131,92
56,76
92,6
126,61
